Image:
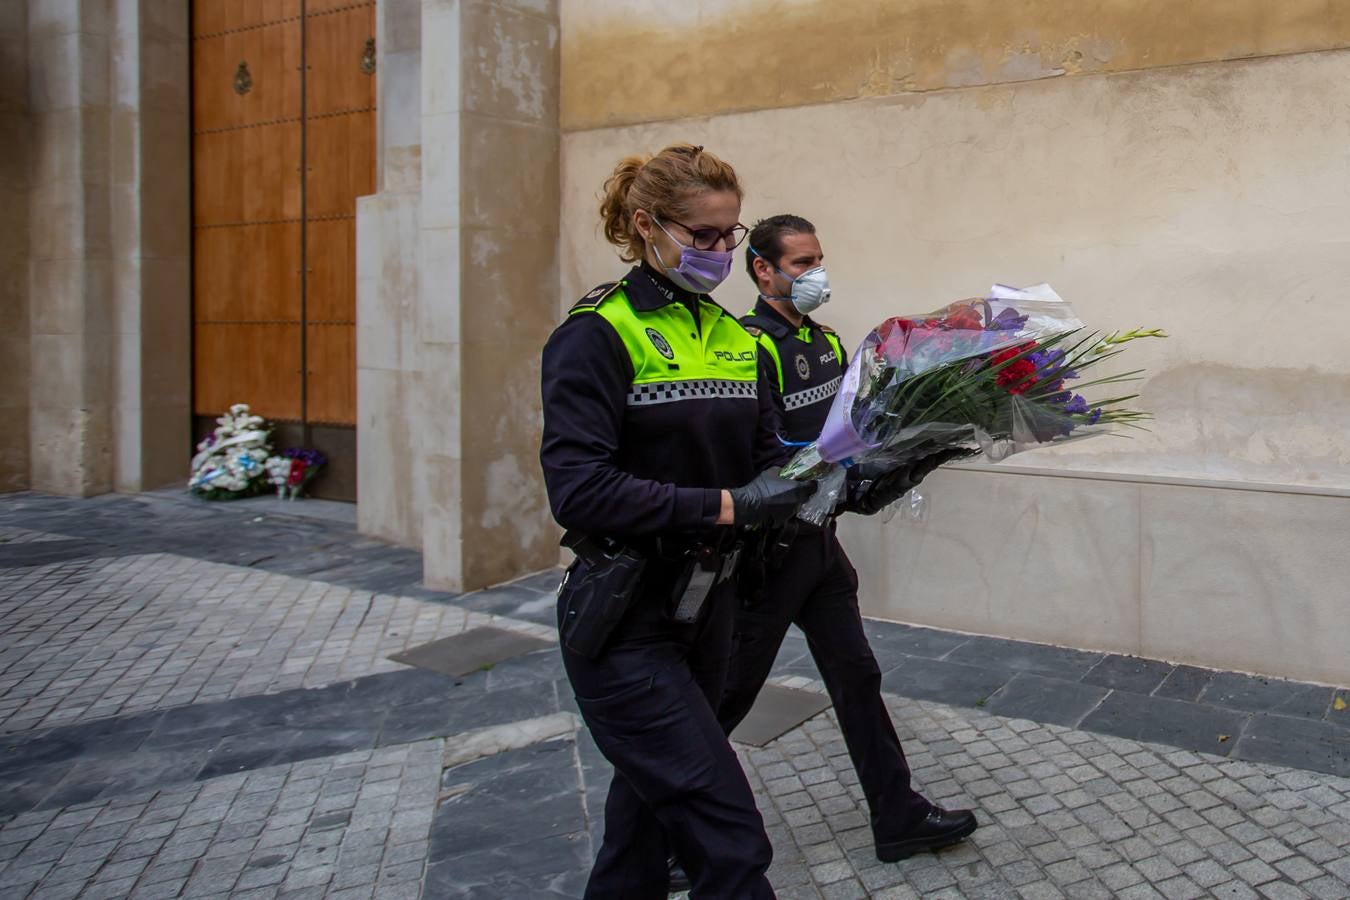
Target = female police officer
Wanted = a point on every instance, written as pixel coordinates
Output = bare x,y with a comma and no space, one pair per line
659,432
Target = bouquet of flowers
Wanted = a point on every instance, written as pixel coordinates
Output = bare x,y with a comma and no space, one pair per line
293,470
230,463
990,375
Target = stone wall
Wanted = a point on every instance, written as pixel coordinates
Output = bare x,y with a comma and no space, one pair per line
14,181
457,286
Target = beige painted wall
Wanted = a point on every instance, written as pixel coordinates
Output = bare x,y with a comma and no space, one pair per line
1207,199
629,61
1235,579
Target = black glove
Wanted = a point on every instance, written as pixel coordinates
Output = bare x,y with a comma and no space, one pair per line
871,490
770,499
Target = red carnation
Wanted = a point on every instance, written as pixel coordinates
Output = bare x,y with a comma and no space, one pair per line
1017,377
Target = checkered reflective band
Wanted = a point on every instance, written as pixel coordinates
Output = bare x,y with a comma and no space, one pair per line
704,389
812,395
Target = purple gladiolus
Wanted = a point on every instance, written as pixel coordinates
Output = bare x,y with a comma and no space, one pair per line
1008,320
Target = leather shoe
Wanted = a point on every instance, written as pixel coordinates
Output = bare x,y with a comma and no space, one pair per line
940,828
679,878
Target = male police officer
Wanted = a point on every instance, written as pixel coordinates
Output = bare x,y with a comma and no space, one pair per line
807,578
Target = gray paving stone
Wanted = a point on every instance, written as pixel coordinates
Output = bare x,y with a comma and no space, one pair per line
1129,673
1184,683
948,681
1269,695
1298,742
1166,721
1019,656
1054,701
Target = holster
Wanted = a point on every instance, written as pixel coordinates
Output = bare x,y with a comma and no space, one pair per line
705,567
596,591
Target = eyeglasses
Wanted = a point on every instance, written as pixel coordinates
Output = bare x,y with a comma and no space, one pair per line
707,238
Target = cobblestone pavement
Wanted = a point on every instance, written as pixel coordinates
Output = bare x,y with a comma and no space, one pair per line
196,701
103,637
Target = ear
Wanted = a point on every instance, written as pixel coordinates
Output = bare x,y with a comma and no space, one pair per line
642,221
762,268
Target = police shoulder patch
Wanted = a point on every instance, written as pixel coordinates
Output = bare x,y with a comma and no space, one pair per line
753,331
827,329
596,296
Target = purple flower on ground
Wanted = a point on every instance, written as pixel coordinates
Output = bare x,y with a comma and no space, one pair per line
1096,414
307,455
1077,405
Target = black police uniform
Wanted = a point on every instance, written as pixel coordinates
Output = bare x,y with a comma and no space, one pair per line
814,585
641,460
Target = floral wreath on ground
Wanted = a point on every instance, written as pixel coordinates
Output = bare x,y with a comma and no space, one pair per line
236,460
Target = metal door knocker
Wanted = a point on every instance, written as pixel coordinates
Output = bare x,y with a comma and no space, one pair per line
368,58
243,81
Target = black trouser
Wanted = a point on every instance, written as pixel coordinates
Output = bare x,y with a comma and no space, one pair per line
816,587
648,701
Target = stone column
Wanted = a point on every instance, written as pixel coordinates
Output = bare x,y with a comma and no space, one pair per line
151,244
70,247
388,369
489,244
108,249
457,286
510,169
14,168
438,327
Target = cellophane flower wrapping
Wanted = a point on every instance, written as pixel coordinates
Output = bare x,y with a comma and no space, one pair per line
995,374
231,462
293,469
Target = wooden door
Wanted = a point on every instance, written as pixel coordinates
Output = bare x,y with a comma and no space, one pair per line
247,199
340,153
283,144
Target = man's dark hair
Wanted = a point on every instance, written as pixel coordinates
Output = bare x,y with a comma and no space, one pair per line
766,239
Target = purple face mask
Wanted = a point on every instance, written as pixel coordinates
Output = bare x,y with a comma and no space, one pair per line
699,271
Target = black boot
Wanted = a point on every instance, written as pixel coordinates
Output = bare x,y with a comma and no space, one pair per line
679,879
940,828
